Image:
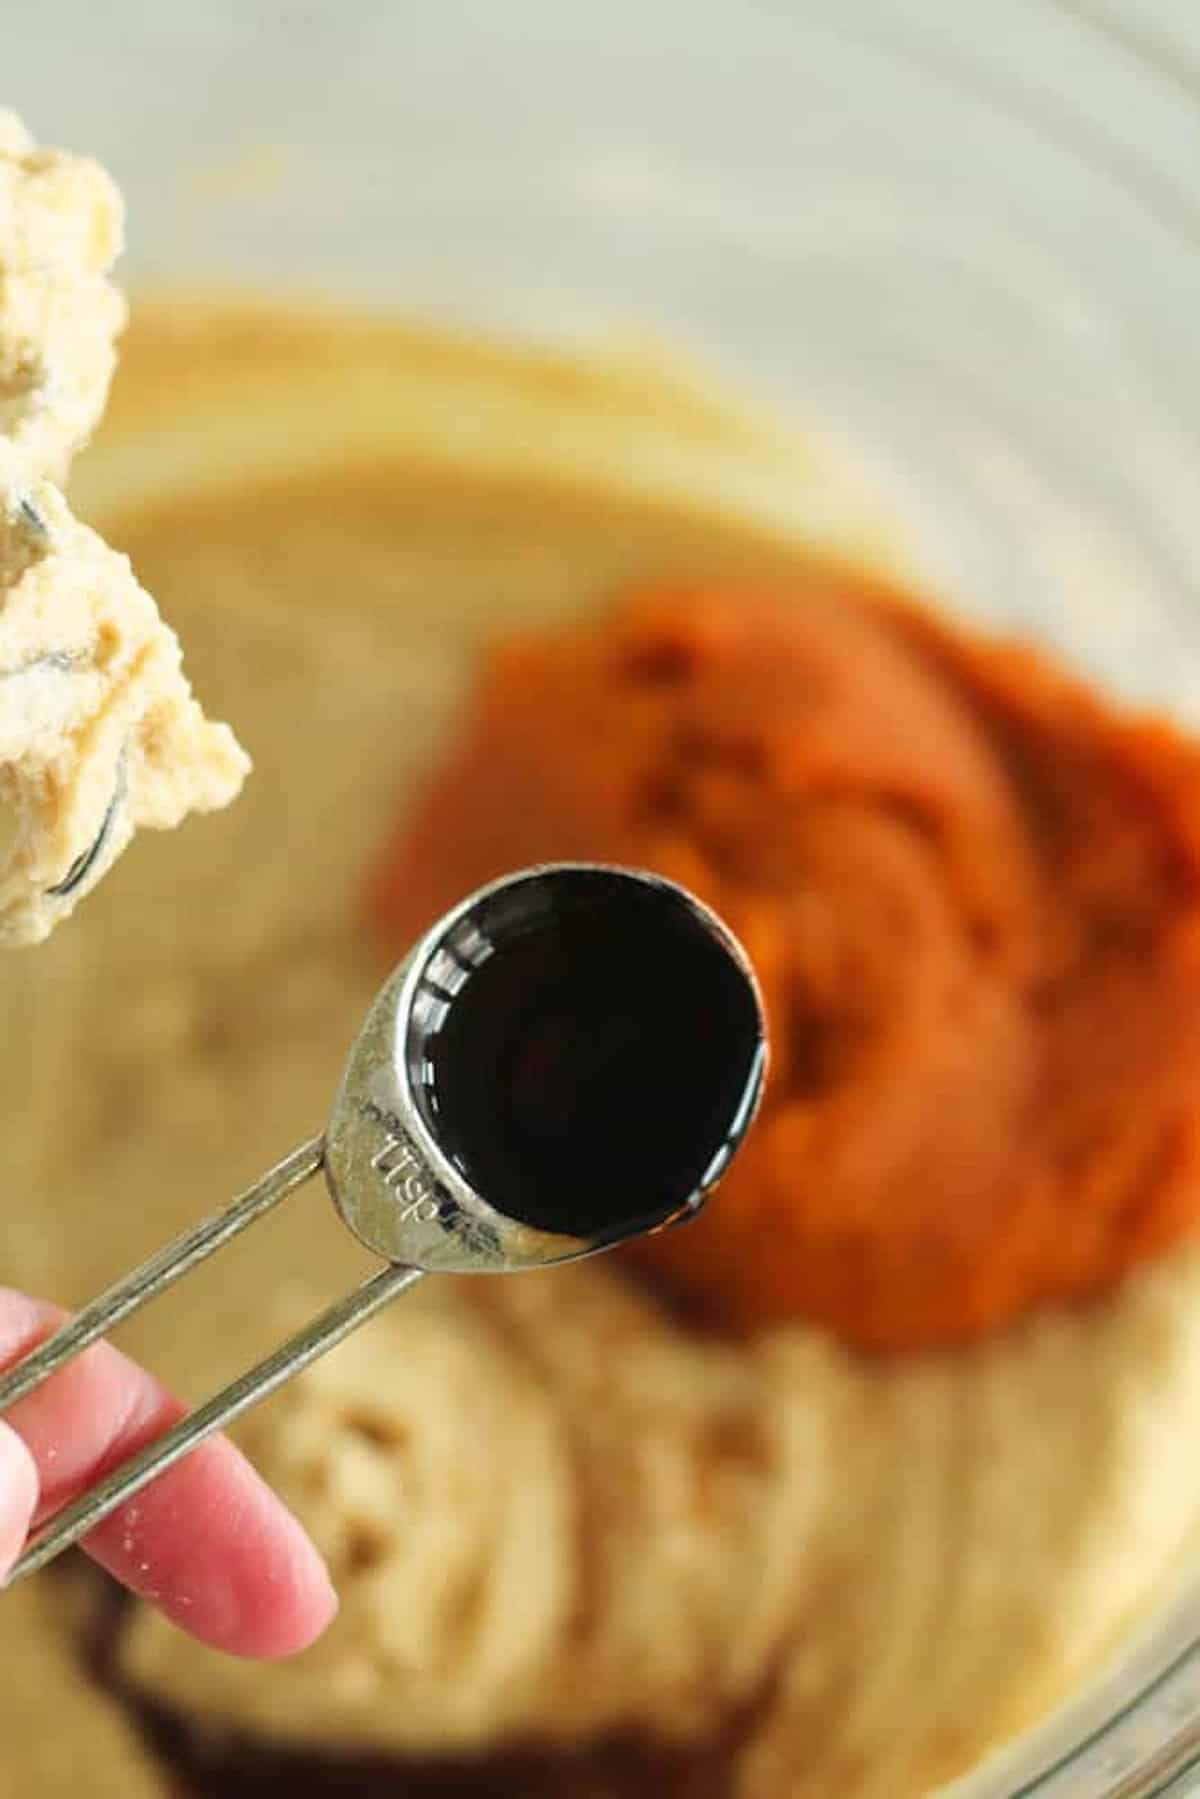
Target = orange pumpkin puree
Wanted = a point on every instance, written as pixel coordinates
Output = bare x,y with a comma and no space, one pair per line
971,889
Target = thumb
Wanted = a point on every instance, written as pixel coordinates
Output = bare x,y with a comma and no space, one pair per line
18,1496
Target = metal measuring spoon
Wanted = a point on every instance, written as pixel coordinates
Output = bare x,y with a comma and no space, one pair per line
569,1058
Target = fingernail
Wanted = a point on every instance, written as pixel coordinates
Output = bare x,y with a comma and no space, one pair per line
18,1495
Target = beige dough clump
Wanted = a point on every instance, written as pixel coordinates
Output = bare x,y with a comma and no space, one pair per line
60,232
551,1512
99,733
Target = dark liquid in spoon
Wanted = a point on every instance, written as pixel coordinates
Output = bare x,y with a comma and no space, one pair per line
597,1058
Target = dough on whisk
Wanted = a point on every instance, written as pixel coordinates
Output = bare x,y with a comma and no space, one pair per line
99,733
61,224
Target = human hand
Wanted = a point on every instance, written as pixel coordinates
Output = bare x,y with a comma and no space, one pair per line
207,1542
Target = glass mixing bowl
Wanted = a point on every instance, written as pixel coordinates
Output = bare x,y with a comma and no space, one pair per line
963,242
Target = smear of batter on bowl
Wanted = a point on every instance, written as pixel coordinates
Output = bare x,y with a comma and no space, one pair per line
99,733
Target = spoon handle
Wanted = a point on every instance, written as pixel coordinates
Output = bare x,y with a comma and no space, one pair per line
159,1272
323,1333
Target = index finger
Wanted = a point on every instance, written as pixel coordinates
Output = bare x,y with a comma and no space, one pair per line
207,1541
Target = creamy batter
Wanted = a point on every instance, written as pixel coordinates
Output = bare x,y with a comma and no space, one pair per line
552,1511
551,1514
